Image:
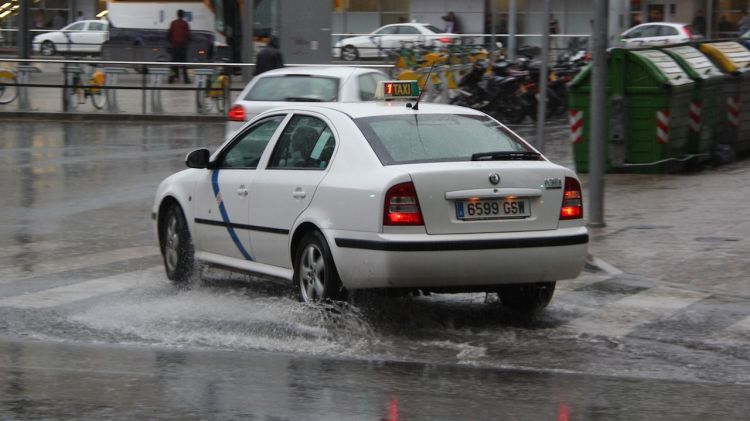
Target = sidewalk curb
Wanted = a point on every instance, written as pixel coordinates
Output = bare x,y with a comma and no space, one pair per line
81,116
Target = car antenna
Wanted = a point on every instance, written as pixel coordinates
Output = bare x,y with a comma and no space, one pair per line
421,91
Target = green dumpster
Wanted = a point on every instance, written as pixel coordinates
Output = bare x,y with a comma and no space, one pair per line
733,59
706,113
648,100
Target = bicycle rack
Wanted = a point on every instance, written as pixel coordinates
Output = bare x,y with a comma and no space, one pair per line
110,74
69,70
201,76
156,77
24,74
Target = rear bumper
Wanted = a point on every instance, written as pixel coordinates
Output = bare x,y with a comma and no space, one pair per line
455,261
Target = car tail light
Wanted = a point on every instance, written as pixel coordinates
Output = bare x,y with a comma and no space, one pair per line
237,113
402,206
688,32
572,203
445,40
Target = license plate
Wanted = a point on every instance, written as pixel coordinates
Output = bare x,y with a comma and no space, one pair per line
492,209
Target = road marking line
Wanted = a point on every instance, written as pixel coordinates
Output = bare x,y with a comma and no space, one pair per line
83,290
621,317
13,274
739,330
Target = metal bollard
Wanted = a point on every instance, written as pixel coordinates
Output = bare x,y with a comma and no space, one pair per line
110,74
201,82
24,75
156,77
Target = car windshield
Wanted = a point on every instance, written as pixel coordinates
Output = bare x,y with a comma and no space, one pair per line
418,138
294,88
433,29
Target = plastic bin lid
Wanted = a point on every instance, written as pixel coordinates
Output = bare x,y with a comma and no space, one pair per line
699,66
729,55
667,66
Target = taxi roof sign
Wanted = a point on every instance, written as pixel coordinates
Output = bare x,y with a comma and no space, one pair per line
397,89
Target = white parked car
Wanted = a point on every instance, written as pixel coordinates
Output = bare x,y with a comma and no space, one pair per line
338,197
390,37
657,34
86,36
302,84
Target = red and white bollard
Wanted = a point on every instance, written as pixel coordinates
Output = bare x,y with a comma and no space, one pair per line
576,126
662,126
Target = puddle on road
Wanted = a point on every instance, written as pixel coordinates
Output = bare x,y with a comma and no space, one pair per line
468,329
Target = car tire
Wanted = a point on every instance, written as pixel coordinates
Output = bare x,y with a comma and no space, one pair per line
527,298
315,276
349,53
177,246
47,48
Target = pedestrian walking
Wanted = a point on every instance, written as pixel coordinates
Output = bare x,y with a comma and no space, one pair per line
699,22
554,29
58,21
179,38
269,57
451,23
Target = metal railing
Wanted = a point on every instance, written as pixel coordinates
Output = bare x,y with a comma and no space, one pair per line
88,86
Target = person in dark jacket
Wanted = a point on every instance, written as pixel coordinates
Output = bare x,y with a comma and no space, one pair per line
269,57
179,37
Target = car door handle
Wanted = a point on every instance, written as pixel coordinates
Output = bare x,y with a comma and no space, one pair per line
299,193
242,191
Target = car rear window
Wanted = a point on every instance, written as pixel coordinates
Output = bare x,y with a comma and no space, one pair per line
434,29
294,88
418,138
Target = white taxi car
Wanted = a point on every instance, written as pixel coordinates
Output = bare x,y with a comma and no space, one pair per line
338,197
277,87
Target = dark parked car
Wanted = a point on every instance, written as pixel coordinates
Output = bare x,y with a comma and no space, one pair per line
134,44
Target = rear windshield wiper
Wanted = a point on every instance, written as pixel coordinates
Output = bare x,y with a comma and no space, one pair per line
301,99
507,156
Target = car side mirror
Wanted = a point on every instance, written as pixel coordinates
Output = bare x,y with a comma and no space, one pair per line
198,158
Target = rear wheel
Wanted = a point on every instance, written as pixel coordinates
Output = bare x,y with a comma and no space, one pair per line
176,246
349,53
315,275
527,298
48,48
514,112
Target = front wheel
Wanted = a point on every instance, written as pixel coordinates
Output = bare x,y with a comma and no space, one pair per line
349,53
315,275
527,298
98,97
176,246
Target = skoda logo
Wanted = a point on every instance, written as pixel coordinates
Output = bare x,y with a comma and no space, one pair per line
495,178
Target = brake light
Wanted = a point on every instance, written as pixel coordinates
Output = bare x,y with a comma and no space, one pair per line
402,206
688,32
237,113
445,40
572,203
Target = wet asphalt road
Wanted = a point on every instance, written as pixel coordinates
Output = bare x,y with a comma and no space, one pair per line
91,329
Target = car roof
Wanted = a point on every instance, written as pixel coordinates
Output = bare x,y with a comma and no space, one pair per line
672,24
340,72
380,108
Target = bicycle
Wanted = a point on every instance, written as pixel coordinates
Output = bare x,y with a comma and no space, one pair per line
94,89
210,91
8,86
